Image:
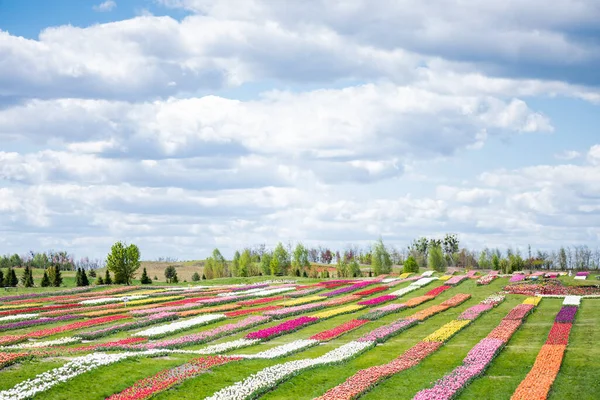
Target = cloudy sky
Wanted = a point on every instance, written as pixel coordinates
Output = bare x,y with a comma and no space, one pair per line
184,125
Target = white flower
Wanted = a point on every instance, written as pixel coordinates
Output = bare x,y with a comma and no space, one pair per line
427,273
19,317
223,347
572,301
80,365
283,350
270,377
107,300
179,325
47,343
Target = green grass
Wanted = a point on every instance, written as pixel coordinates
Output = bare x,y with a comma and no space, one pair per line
578,378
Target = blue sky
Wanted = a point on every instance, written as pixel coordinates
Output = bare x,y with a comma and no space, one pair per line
182,125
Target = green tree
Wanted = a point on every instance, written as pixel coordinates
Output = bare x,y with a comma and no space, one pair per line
123,261
451,245
280,262
171,274
15,261
27,277
84,278
55,275
354,267
342,268
1,278
245,262
265,263
562,259
107,278
195,277
436,259
208,268
496,262
45,280
99,281
381,260
235,264
78,277
410,265
300,258
145,279
219,264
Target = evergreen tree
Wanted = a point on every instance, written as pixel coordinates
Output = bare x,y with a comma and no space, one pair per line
27,278
45,280
92,273
265,264
57,279
145,280
410,265
203,277
107,278
195,277
1,278
99,281
171,274
78,277
84,279
235,264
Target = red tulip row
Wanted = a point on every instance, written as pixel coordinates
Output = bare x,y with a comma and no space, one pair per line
7,359
339,330
34,309
147,387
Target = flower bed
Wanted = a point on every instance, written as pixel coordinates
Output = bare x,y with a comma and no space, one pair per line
283,328
107,300
44,381
141,323
416,301
438,290
383,333
254,302
305,292
339,330
206,336
7,359
505,329
540,378
217,309
347,289
147,387
337,311
447,331
371,291
228,346
300,301
35,322
18,317
428,312
487,279
290,311
473,312
456,300
377,300
572,301
237,313
341,300
520,311
532,300
517,278
283,350
383,311
455,280
179,326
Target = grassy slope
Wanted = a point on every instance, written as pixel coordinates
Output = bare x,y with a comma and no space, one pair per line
577,379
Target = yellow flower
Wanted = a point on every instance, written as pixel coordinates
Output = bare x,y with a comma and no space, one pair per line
447,331
337,311
302,300
532,300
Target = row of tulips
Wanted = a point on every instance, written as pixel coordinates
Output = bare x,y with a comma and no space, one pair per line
476,361
270,377
281,329
108,300
35,322
38,309
364,380
300,301
44,343
7,359
179,326
486,279
80,365
205,336
18,317
455,280
539,380
59,329
166,379
237,313
140,323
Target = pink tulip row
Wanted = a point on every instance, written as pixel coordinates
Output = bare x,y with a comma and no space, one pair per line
281,329
377,300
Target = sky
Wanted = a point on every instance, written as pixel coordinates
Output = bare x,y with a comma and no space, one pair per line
185,125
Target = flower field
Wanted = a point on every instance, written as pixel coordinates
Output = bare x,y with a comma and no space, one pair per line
403,337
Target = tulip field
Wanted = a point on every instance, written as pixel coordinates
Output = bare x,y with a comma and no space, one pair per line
425,336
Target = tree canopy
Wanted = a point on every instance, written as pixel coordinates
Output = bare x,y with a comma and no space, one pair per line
123,261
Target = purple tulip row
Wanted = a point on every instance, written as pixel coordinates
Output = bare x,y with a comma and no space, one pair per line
35,322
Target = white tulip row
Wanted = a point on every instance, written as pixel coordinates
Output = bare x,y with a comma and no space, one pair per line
80,365
269,377
413,286
427,273
581,278
173,327
233,345
20,317
241,292
108,300
388,280
283,350
572,301
269,292
46,343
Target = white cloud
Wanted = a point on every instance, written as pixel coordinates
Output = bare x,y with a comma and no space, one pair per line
105,6
568,155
